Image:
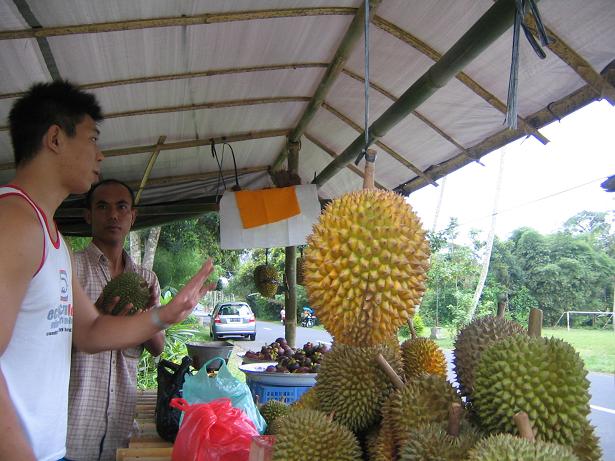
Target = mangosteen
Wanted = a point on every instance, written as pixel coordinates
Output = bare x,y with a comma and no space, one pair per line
271,369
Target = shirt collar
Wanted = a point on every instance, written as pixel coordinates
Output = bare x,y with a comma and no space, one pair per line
95,254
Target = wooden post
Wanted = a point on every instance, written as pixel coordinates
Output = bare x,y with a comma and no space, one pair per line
534,327
522,421
454,419
370,169
502,304
290,264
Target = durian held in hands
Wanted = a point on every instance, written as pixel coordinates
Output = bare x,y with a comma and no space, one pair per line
131,288
365,266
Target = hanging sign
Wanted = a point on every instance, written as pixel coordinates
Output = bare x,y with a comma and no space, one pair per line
268,218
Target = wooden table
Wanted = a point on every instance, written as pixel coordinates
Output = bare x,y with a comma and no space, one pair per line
145,444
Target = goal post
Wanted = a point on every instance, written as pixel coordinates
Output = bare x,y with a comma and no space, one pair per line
594,313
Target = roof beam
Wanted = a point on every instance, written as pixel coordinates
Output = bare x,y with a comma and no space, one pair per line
349,41
333,154
583,69
149,167
555,111
209,18
202,106
187,75
483,33
416,113
43,44
400,158
182,144
464,78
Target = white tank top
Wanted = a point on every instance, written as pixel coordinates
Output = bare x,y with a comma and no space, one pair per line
36,363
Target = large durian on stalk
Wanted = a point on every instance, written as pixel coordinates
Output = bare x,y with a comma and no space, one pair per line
506,447
312,435
131,288
543,377
475,338
266,280
365,266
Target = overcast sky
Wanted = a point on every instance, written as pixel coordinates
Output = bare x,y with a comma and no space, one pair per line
542,186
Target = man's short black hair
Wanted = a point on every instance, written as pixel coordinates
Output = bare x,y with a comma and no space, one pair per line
43,105
104,182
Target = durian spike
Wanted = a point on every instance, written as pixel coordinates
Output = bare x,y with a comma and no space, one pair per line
454,419
388,370
411,328
369,172
534,327
524,426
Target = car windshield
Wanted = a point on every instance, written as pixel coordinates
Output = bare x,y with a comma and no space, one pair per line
241,310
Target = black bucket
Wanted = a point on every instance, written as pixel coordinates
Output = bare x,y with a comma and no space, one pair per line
202,352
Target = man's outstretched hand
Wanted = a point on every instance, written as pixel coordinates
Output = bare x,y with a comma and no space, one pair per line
184,301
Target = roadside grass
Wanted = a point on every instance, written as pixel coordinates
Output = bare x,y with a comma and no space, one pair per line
596,347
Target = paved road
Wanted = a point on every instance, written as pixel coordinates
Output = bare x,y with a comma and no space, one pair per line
602,385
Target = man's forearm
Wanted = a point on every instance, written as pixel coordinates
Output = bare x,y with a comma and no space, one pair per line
155,345
13,442
112,333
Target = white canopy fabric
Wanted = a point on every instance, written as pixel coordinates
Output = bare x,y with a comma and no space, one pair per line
245,71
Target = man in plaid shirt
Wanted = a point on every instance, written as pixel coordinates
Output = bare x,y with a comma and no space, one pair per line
103,386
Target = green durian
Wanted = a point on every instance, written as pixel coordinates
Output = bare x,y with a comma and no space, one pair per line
423,400
544,377
131,288
273,409
431,442
475,338
266,280
312,435
506,447
351,385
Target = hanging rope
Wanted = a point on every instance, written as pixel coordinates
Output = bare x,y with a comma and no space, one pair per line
366,82
513,82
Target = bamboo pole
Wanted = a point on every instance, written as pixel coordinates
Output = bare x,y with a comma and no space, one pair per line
149,167
400,158
208,18
483,33
349,41
464,78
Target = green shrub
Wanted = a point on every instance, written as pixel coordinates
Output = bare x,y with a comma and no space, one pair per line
419,327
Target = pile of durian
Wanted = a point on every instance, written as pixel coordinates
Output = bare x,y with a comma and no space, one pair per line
374,400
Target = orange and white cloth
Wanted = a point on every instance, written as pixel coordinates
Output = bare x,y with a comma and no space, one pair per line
268,218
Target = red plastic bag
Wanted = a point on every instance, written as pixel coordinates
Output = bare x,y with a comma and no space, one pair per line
213,431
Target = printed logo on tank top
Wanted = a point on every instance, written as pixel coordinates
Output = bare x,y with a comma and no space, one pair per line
61,317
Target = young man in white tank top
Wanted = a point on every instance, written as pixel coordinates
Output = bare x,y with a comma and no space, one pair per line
54,133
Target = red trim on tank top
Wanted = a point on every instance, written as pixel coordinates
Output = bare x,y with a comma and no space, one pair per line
56,244
6,194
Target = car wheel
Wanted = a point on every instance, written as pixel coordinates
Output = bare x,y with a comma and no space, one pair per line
252,337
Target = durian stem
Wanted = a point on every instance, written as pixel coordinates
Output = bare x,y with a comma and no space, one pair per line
534,326
454,419
388,370
411,328
369,172
524,426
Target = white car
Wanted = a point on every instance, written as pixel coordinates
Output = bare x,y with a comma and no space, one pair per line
232,319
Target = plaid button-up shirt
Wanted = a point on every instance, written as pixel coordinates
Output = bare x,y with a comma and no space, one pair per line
103,386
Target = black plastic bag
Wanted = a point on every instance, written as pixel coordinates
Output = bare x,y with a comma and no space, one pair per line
170,378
